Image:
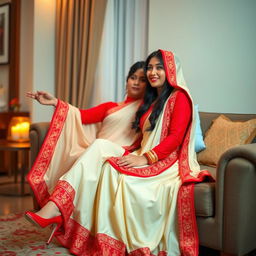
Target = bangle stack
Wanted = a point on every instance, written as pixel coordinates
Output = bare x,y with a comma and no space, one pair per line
151,156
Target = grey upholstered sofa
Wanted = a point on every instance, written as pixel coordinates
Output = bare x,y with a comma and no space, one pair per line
225,209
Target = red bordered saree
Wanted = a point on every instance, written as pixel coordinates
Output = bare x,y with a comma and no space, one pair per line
109,210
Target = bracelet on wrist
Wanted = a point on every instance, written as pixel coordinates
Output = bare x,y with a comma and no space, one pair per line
151,156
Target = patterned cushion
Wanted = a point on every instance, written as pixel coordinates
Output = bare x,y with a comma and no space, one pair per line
224,134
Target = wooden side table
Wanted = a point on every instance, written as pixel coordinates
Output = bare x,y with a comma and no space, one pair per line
16,147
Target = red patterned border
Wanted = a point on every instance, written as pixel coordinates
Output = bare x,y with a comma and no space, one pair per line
63,196
36,174
148,171
82,242
146,252
167,116
186,212
170,68
188,234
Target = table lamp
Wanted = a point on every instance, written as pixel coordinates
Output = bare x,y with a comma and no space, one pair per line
18,129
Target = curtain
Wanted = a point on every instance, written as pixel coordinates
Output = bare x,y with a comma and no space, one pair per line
124,41
79,26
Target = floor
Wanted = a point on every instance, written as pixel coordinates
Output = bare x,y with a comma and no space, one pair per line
11,201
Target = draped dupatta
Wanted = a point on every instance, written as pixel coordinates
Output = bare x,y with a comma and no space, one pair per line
188,166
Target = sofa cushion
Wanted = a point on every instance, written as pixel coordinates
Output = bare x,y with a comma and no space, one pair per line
204,199
205,195
199,140
224,134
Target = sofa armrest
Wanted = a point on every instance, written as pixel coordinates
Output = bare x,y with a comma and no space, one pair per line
37,134
235,198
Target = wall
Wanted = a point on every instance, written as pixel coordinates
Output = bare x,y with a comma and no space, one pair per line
216,43
37,54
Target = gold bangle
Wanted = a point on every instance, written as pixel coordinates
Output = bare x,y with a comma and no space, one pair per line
148,157
155,155
151,156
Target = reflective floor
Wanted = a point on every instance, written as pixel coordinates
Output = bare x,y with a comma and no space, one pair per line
10,199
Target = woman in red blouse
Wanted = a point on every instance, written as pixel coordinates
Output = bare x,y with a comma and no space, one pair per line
102,120
136,200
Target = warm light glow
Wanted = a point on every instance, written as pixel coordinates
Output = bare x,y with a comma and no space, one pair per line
15,132
19,129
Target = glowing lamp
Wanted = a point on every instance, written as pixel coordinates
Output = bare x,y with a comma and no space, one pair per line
18,129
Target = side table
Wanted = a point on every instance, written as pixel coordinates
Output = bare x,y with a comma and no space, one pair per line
16,147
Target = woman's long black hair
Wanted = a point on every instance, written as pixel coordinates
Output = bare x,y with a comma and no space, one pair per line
137,65
150,96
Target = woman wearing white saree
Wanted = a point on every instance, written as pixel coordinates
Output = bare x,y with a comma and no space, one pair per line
100,121
136,200
109,120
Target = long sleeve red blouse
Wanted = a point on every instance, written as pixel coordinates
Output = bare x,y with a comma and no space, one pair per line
98,113
179,122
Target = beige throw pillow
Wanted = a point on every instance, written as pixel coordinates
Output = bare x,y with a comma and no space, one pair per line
224,134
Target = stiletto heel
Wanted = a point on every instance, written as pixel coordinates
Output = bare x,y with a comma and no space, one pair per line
55,229
42,222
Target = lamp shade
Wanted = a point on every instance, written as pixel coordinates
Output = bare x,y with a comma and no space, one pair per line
18,129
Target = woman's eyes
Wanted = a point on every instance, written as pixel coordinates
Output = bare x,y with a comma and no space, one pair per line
159,67
143,79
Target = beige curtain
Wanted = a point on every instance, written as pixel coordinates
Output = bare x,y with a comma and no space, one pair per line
79,26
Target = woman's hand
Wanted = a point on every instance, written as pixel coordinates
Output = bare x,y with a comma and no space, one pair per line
43,98
132,161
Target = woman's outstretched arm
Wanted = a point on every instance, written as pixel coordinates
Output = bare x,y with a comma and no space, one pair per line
43,98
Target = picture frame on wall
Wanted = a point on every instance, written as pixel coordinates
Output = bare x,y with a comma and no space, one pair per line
4,33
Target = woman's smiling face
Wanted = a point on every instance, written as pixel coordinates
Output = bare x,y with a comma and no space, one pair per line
156,73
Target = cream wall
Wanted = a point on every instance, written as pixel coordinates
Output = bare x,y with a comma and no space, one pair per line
37,54
216,43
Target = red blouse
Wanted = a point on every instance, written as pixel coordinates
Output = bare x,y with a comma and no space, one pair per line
179,122
98,113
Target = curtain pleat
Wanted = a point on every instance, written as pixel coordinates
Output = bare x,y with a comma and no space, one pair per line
124,41
79,27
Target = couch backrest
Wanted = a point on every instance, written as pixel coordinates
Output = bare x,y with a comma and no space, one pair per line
207,117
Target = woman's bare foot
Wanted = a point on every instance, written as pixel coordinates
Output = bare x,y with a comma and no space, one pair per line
50,210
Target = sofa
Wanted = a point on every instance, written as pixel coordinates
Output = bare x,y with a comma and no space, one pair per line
226,208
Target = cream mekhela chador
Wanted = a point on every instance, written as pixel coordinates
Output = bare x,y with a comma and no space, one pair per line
108,209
